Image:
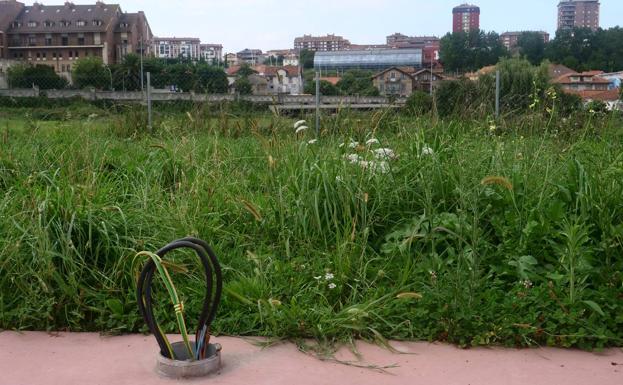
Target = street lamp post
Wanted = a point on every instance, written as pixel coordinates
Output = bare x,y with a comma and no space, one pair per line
142,85
110,73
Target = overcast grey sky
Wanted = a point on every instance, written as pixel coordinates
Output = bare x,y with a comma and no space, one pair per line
273,24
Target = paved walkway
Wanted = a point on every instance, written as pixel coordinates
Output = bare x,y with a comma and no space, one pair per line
89,359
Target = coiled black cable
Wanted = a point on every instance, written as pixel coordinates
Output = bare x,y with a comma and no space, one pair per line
214,288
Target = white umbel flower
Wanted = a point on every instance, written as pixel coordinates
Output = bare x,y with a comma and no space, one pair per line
385,154
301,129
426,151
299,124
353,158
332,286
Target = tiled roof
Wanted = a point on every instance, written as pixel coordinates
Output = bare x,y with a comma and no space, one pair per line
594,79
406,70
558,70
331,79
604,96
8,12
264,70
48,18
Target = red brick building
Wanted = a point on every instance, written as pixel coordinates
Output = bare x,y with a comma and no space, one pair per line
510,39
466,17
58,35
430,46
578,14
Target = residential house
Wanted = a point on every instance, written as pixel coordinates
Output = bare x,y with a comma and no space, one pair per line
259,84
231,59
281,80
558,70
277,80
426,80
395,81
584,81
291,59
58,35
615,78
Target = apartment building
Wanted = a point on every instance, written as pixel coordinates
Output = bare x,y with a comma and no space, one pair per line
321,43
177,47
465,18
58,35
250,56
211,52
578,14
510,39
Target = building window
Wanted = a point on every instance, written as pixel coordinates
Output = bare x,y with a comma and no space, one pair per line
16,24
97,23
48,23
32,41
81,23
48,40
32,24
65,23
64,40
80,39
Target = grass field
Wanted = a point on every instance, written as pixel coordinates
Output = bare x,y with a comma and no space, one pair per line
474,233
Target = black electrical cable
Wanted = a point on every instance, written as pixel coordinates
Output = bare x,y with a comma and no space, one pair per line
214,280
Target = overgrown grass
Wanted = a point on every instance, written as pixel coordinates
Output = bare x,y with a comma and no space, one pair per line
478,233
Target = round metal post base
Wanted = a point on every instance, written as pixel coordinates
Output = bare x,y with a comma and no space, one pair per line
182,367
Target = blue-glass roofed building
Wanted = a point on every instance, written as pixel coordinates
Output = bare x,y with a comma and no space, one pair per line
377,59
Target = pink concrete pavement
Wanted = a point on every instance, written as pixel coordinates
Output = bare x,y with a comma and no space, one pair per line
90,359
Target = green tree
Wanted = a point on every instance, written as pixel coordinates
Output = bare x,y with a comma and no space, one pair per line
306,58
211,80
419,103
181,75
357,82
245,70
521,83
90,72
532,46
42,76
326,88
243,86
462,52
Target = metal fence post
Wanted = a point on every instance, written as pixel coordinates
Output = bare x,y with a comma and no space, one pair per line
317,104
497,94
149,118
